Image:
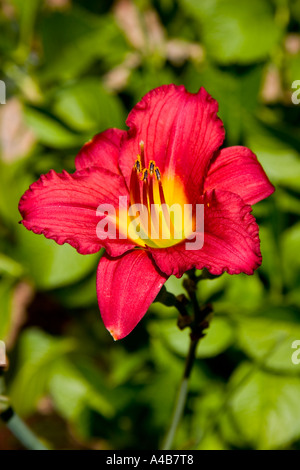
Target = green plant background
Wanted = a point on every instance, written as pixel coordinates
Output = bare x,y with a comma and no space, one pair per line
73,69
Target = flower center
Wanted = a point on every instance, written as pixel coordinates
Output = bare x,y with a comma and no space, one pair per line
157,215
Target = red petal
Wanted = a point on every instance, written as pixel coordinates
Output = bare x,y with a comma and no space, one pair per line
102,151
180,130
236,169
63,207
231,241
126,288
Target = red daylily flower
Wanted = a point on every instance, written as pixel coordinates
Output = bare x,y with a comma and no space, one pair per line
169,154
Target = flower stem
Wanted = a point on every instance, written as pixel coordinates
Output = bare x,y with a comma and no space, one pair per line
14,423
182,395
21,431
197,323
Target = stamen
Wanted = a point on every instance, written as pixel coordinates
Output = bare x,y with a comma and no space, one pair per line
135,193
151,193
146,188
152,207
166,212
161,193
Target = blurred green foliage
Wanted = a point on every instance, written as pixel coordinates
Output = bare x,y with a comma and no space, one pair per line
75,68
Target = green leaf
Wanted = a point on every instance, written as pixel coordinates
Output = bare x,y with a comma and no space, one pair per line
233,295
236,93
50,132
243,295
174,285
270,342
212,441
87,106
279,160
6,296
291,263
79,295
126,366
286,202
26,12
142,81
209,290
293,297
272,264
207,407
81,38
72,392
51,265
13,183
10,267
292,71
218,337
295,9
236,31
265,408
38,352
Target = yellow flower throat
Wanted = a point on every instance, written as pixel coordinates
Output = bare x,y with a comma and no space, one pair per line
156,215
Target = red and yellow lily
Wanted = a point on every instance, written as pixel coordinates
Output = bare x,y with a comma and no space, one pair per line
170,155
